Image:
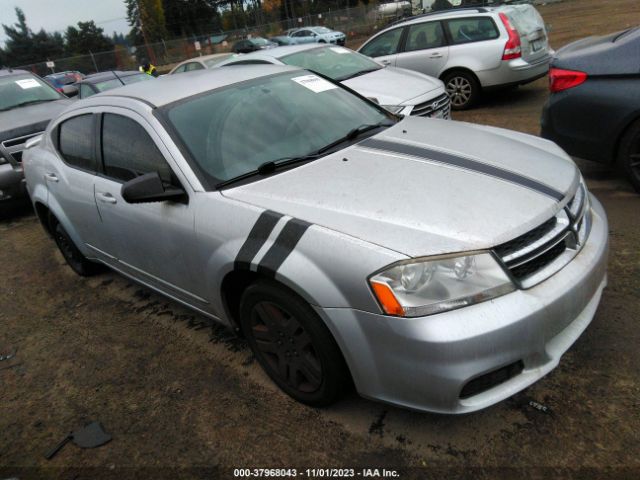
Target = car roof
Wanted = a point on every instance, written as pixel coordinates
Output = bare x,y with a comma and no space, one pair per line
280,52
449,13
171,88
203,58
102,76
8,72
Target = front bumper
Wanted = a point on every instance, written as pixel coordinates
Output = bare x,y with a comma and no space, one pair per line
424,363
12,184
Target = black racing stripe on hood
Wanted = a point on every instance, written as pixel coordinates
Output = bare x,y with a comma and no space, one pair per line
257,237
461,162
285,243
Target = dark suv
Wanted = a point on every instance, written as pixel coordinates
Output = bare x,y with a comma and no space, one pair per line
27,104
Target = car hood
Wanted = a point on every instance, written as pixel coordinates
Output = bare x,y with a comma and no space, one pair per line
32,118
419,206
393,86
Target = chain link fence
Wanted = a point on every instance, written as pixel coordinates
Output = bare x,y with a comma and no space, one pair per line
357,23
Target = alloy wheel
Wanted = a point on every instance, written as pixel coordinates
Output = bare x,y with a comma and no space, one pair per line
286,347
459,90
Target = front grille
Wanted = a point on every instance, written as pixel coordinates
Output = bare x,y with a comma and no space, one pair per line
429,109
12,149
541,252
491,379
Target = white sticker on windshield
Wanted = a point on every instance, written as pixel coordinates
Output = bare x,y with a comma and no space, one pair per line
27,83
314,83
339,50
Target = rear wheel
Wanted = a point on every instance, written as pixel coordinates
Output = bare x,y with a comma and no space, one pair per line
629,154
74,257
463,89
292,344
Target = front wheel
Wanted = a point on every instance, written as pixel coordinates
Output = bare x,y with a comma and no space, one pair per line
463,89
292,344
629,155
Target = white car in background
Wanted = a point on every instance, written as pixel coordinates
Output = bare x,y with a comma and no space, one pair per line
399,91
316,35
469,49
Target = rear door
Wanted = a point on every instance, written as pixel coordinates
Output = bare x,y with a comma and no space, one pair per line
384,47
425,49
70,177
156,241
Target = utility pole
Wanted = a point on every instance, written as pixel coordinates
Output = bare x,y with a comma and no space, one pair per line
150,53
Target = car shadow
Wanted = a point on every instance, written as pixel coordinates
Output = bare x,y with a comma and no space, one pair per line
15,210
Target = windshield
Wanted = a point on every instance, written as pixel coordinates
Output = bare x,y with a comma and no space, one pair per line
234,130
18,90
214,61
337,63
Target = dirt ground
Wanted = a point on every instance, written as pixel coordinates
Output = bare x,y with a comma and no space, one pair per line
184,400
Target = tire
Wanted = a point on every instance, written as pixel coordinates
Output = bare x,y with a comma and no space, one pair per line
463,89
292,344
628,159
74,257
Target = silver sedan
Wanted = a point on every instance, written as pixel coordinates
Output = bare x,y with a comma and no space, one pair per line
347,244
398,90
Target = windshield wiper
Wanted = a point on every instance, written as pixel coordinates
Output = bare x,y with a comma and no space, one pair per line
267,168
357,74
24,104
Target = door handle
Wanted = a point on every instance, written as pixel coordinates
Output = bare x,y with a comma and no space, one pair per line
107,198
436,55
385,62
51,177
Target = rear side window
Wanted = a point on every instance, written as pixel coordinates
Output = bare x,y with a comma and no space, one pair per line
468,30
424,36
194,66
128,151
384,44
76,142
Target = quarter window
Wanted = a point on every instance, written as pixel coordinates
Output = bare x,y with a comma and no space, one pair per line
384,44
467,30
424,36
128,151
76,142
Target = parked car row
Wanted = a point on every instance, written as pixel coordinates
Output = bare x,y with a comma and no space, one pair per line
298,195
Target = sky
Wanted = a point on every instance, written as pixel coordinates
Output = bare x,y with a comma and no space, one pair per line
57,15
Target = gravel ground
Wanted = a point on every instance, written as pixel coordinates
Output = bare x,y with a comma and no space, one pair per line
185,400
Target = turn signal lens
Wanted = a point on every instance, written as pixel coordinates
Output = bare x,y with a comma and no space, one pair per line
387,299
560,80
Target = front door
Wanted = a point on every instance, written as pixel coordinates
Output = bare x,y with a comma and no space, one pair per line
153,241
384,48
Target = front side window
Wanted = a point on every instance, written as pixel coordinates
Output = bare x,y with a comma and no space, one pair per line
194,66
467,30
338,63
138,77
128,151
21,90
108,85
76,142
180,69
384,44
231,131
425,35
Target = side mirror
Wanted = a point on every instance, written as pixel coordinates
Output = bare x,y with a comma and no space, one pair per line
70,90
149,188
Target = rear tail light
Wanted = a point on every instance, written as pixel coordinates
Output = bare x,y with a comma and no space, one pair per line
513,48
560,80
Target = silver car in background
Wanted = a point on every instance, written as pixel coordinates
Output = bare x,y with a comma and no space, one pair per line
345,243
469,49
398,90
316,35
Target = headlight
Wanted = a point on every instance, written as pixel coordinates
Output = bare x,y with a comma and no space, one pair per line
423,287
393,108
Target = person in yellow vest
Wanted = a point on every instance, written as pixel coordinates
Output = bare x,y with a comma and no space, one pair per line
148,68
